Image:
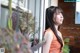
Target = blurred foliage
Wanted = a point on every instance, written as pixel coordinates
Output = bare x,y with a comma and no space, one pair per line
18,41
10,15
27,22
13,41
66,45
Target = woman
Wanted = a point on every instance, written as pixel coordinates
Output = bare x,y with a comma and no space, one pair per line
52,36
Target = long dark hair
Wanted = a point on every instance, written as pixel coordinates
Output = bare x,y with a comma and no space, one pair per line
50,23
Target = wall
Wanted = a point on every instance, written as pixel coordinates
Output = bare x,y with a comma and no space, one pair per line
54,2
69,28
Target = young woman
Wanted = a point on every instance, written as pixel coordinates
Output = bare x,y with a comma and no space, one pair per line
52,35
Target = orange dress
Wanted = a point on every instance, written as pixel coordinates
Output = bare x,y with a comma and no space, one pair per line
52,45
55,46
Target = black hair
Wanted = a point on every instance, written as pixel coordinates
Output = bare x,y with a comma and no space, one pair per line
50,23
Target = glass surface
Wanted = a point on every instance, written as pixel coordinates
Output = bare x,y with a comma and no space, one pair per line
77,13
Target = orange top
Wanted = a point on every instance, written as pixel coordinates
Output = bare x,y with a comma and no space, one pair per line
55,46
51,45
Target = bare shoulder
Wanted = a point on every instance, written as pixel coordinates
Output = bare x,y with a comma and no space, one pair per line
48,35
49,32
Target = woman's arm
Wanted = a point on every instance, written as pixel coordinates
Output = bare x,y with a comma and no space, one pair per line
35,47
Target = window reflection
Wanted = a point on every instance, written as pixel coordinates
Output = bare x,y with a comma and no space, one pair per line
77,16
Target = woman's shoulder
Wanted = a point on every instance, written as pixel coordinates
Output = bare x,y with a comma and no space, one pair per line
49,32
48,35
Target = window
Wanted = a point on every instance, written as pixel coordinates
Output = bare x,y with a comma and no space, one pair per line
5,11
4,2
4,16
20,3
77,13
36,8
0,12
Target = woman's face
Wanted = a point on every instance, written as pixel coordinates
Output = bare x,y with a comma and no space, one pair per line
58,18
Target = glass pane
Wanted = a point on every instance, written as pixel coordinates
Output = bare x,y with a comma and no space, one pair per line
4,16
0,13
34,6
77,14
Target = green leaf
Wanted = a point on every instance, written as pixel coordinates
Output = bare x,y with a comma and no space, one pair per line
10,23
